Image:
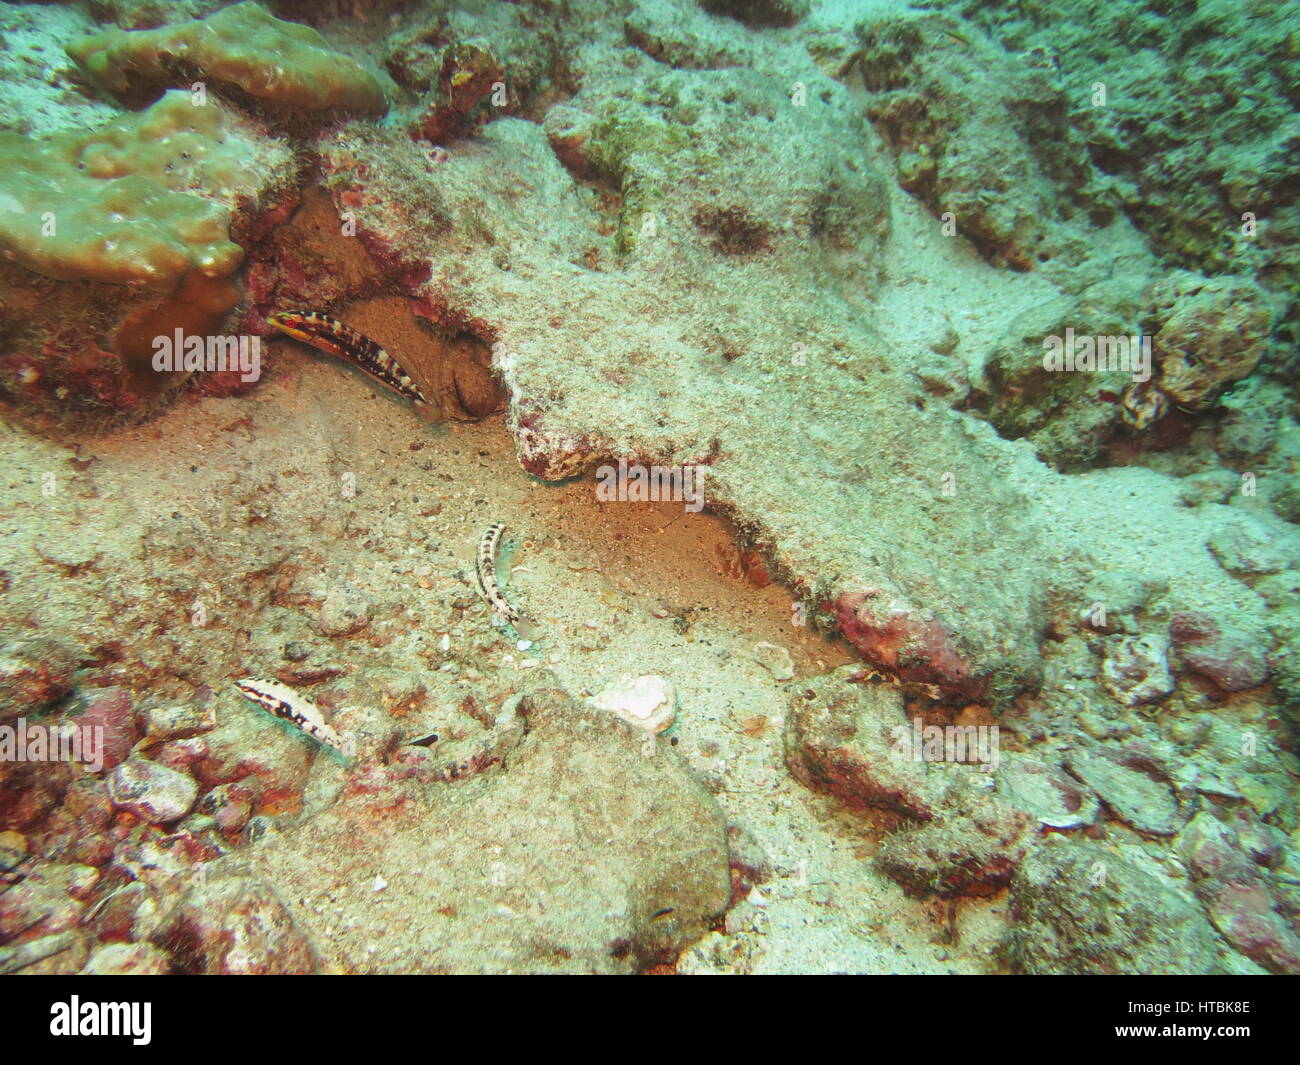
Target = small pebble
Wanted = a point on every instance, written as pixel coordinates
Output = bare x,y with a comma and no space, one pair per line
151,791
111,711
179,722
182,754
127,959
230,806
13,847
776,660
33,674
346,610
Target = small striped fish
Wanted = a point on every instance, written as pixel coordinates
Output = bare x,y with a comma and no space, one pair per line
487,582
333,337
288,705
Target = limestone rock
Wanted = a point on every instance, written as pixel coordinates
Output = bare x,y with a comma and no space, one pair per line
1080,908
249,741
1215,333
234,925
346,610
973,849
1230,650
179,721
1046,792
61,954
935,588
682,35
33,674
110,710
592,849
841,737
1134,797
1247,547
980,158
759,12
1136,669
50,898
1237,892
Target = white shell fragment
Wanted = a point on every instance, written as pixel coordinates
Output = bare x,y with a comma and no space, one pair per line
649,702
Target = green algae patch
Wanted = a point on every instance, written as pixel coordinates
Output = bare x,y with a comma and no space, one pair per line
281,63
116,204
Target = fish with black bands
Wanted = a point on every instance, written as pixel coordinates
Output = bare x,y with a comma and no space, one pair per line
487,582
342,341
288,705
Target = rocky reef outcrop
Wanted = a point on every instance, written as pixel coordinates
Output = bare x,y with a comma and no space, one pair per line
823,258
588,847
